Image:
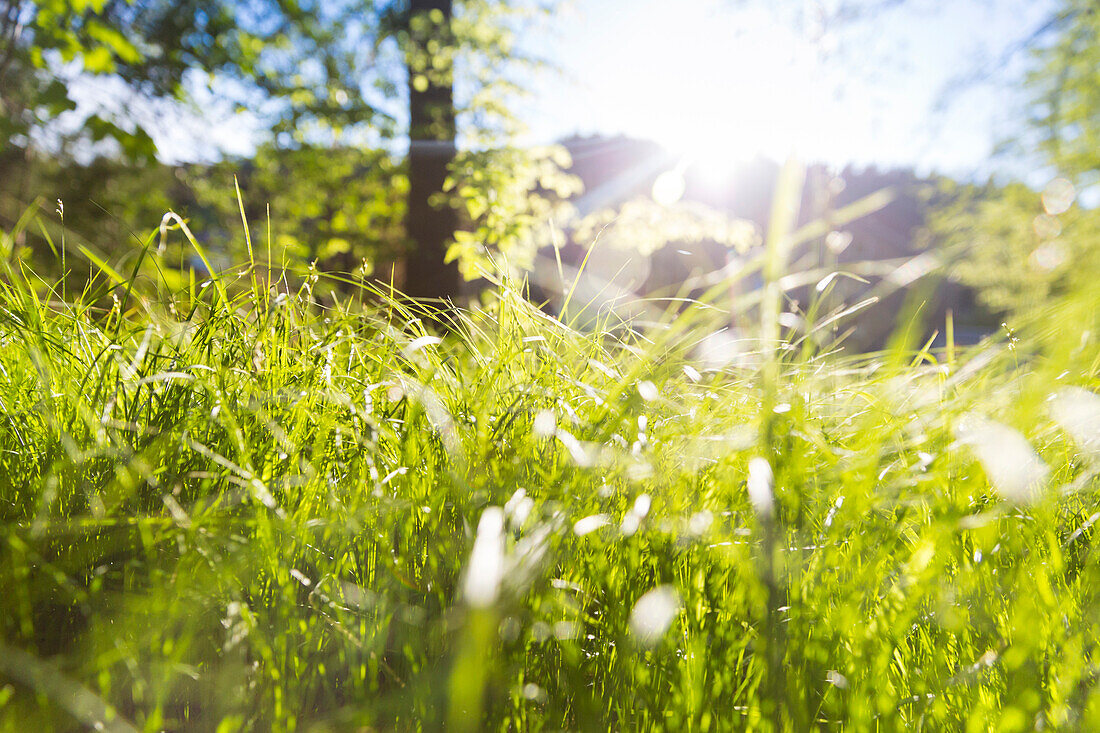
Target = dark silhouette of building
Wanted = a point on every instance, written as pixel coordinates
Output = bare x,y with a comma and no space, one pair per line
885,246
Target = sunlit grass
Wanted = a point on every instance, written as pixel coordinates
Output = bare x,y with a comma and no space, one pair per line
229,507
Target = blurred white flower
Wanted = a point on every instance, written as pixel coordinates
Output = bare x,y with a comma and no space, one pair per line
1077,411
760,486
633,519
519,507
486,567
544,424
582,454
417,344
590,524
654,613
1012,465
700,522
531,691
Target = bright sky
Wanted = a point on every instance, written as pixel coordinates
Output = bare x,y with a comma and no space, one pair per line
726,79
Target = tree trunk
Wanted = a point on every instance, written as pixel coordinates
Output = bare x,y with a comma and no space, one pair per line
430,224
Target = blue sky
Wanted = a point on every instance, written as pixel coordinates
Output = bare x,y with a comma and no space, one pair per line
726,79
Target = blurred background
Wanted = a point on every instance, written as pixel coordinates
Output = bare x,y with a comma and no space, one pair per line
947,149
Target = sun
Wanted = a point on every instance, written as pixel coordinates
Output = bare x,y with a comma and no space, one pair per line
726,102
717,88
713,157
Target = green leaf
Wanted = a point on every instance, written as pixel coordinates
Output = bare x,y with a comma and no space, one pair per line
113,40
55,97
99,61
138,145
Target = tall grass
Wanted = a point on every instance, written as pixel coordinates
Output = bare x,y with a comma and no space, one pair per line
226,507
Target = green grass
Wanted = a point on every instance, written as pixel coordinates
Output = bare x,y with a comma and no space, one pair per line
230,508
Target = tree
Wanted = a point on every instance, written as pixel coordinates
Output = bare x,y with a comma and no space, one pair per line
1066,90
1020,248
1024,248
328,77
471,209
340,207
296,55
430,221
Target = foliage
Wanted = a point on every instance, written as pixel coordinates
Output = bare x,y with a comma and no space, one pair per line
1066,91
225,507
106,221
1021,247
1018,253
99,38
341,207
325,79
644,226
469,48
298,57
512,197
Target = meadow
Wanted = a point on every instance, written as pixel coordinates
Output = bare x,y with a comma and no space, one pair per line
233,505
